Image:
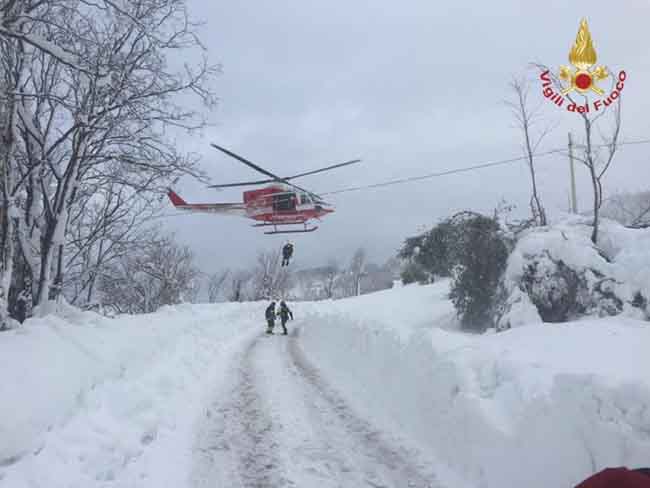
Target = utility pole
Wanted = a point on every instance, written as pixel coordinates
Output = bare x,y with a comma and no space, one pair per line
574,202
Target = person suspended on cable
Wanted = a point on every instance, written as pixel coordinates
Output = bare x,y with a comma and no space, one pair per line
285,313
287,252
270,318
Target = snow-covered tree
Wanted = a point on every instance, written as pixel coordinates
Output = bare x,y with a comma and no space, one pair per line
216,285
630,209
12,67
376,278
414,273
91,103
357,270
238,286
472,249
270,279
107,222
318,283
480,257
161,272
331,279
429,254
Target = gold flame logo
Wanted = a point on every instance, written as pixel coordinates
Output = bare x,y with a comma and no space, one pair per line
583,56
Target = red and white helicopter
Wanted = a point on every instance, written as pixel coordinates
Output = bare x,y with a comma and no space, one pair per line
281,203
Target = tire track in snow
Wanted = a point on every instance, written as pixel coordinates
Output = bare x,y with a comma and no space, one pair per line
239,448
280,425
258,466
390,459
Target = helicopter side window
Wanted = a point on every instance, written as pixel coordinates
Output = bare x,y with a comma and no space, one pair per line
284,201
304,199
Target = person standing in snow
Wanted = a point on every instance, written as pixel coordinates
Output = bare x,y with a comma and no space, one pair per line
285,313
287,252
270,318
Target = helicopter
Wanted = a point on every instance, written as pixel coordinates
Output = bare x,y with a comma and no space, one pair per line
279,205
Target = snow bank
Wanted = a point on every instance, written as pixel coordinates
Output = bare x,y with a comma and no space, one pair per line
393,307
538,406
555,274
88,400
629,249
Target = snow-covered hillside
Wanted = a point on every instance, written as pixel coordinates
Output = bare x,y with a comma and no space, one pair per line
376,390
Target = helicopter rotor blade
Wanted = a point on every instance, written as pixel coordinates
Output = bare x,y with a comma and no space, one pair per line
248,163
254,166
243,183
300,175
327,168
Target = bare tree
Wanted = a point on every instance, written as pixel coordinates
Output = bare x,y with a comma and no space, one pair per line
596,163
527,117
357,270
238,286
322,282
597,157
91,101
107,222
161,273
376,278
270,279
216,282
331,278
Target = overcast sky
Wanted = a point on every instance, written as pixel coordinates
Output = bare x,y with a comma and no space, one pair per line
410,87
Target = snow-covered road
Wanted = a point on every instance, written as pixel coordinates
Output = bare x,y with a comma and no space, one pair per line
372,391
279,423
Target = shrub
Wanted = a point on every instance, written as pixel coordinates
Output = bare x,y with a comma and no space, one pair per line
413,273
429,252
480,255
470,248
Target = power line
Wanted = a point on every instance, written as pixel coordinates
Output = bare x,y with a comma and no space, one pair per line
469,168
465,169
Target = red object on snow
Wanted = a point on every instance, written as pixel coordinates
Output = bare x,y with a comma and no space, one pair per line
616,478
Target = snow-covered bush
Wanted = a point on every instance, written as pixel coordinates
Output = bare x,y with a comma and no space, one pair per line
556,274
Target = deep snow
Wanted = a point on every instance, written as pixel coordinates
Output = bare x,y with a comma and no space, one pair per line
537,406
130,402
617,269
111,402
